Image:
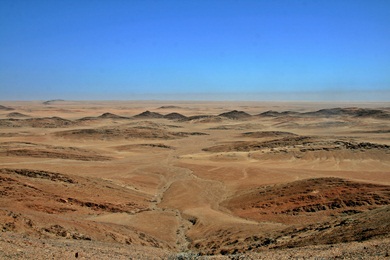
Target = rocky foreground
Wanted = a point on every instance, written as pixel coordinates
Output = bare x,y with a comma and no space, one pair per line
17,246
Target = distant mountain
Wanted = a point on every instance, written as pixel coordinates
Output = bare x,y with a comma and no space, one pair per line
49,102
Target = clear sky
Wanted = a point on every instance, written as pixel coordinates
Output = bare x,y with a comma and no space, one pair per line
202,49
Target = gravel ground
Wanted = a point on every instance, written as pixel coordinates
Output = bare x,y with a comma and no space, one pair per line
17,246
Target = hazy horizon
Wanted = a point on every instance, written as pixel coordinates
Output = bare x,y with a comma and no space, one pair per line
330,96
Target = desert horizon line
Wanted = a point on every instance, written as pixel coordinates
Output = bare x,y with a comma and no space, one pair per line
202,101
382,95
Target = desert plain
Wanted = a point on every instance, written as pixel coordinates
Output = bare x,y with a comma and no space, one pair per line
186,180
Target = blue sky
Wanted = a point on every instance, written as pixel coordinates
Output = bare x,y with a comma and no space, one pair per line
181,49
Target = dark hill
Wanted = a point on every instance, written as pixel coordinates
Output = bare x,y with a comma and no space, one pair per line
44,122
111,116
235,115
204,119
266,134
5,108
175,116
272,113
168,107
376,113
49,102
350,111
148,114
17,115
329,112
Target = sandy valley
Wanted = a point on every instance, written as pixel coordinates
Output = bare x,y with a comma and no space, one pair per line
177,180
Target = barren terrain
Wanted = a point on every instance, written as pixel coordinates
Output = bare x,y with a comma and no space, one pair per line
177,180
